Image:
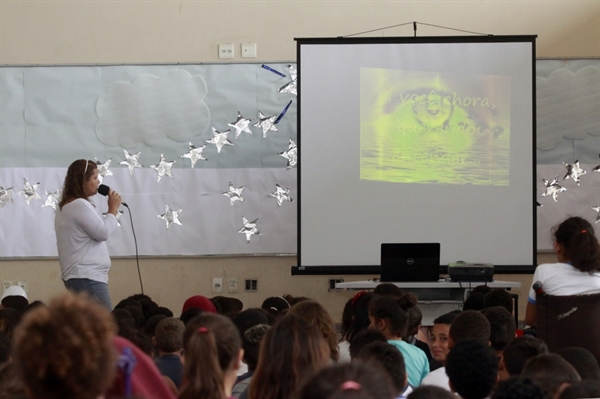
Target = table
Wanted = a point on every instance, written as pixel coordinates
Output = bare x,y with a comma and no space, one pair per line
436,297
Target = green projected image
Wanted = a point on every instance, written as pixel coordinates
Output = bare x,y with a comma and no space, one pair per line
426,127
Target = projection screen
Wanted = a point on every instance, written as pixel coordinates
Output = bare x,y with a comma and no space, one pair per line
416,140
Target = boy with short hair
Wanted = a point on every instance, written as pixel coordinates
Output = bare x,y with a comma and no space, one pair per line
168,339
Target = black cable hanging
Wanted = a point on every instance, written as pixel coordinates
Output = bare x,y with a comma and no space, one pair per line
137,258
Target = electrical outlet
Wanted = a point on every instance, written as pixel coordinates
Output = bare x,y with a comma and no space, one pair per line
217,284
252,285
22,284
5,285
232,285
333,282
226,51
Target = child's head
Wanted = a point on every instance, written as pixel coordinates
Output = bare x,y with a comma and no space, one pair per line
517,352
289,352
212,350
168,335
65,350
439,335
348,381
315,314
575,242
363,339
472,369
470,324
389,357
503,327
388,314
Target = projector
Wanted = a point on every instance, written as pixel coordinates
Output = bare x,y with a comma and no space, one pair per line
470,272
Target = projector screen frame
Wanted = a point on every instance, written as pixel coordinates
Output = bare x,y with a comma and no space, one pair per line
375,269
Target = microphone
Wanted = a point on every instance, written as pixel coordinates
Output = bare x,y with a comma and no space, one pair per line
537,288
103,189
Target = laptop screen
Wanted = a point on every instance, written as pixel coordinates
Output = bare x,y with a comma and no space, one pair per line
410,262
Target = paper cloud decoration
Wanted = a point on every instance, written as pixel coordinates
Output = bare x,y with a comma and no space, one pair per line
567,106
150,108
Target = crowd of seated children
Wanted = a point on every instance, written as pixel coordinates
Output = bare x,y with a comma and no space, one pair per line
286,351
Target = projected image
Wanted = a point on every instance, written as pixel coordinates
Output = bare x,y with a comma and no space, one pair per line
425,127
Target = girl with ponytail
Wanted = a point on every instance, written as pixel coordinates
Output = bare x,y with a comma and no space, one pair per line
388,315
578,269
212,355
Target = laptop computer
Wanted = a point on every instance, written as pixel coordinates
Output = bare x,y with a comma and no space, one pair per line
410,262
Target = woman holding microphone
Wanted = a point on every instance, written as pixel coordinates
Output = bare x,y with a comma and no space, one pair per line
81,232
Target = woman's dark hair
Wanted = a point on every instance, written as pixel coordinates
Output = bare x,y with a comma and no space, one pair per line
348,381
315,314
289,352
347,316
579,243
78,173
393,310
415,316
211,344
360,320
388,289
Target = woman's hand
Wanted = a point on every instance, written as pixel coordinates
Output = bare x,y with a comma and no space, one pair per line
114,201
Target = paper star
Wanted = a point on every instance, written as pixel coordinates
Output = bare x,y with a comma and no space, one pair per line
163,168
597,168
597,209
103,169
29,191
266,123
249,228
291,154
170,216
281,194
195,154
241,125
292,86
52,199
234,194
5,196
219,139
118,216
574,171
553,188
131,161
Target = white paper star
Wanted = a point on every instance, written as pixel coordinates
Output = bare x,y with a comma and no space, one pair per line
170,216
29,191
281,194
597,209
131,161
266,123
118,216
103,169
291,154
574,171
219,139
195,154
163,168
553,188
234,194
52,199
292,86
5,196
249,228
241,125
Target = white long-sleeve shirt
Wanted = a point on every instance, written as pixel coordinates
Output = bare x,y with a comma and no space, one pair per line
81,234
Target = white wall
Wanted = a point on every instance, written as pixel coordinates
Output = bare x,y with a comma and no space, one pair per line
127,32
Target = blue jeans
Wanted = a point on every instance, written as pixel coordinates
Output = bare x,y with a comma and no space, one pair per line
95,289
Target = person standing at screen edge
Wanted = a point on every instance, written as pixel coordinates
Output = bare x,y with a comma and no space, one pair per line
578,269
81,232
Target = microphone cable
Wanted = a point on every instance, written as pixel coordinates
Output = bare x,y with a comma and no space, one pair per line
137,257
